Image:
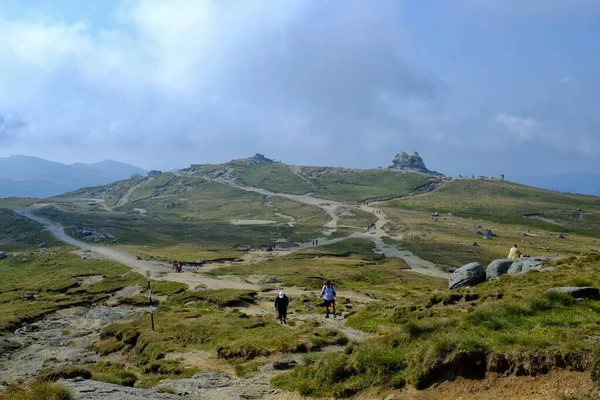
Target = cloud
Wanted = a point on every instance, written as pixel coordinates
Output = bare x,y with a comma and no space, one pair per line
522,128
306,81
10,125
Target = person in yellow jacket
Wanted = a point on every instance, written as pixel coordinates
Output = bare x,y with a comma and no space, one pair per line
515,253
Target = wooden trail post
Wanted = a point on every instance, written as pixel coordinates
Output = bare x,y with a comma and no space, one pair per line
150,299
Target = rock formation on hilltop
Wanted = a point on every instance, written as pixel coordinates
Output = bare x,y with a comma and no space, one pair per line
414,162
260,159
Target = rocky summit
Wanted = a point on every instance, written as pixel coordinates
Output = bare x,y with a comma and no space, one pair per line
414,162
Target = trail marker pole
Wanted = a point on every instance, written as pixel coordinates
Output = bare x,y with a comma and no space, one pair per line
150,300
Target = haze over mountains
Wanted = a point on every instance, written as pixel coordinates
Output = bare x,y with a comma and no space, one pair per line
25,176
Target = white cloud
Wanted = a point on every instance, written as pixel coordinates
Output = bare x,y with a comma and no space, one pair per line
522,128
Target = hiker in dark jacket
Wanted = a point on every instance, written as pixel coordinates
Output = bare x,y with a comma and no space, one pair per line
281,305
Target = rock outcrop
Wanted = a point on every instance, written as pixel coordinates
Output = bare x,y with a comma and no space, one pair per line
93,390
259,159
2,255
467,275
414,162
524,266
585,292
497,268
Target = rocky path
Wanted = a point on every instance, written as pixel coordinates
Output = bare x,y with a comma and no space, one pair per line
332,208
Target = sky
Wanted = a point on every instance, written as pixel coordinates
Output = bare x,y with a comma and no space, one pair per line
482,87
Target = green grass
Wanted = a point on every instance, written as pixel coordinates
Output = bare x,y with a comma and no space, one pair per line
507,203
351,263
19,233
275,177
110,193
38,390
422,329
17,202
50,279
355,186
205,324
152,186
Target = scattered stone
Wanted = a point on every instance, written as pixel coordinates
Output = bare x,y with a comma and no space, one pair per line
497,268
524,234
43,244
26,328
435,214
475,244
561,236
208,380
242,247
467,275
270,279
285,364
586,292
2,255
94,390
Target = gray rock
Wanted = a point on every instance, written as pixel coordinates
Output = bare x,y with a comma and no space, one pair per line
561,236
43,244
497,268
524,266
7,346
27,328
587,292
270,279
281,365
467,275
2,255
414,162
94,390
209,380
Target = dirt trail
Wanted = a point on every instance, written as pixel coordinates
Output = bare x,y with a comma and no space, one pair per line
296,171
125,198
331,207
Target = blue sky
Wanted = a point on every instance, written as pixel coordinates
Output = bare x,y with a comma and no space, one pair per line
476,86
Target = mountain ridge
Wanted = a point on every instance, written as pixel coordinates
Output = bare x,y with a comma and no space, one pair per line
28,176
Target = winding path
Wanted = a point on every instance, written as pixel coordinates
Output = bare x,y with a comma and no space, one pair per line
414,262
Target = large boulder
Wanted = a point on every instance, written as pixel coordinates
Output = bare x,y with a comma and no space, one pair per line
497,268
281,365
586,292
467,275
2,255
524,266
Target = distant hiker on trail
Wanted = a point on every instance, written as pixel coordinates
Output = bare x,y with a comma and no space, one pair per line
514,253
174,268
274,245
281,305
179,267
328,294
316,242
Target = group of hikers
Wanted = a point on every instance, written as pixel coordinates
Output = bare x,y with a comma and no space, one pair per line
371,226
177,266
328,295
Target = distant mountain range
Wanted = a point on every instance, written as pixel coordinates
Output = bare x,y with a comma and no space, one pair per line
25,176
582,183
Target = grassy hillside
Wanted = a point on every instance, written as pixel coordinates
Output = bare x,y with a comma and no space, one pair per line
355,186
36,283
513,204
423,336
19,233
